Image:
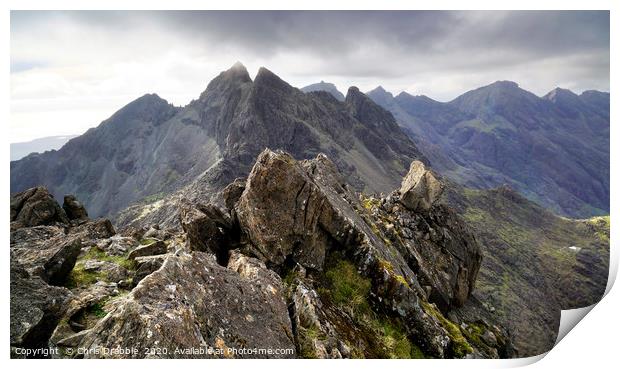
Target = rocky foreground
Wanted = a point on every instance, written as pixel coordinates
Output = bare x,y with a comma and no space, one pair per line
296,265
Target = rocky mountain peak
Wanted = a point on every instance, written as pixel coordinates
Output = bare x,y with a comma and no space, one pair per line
363,108
149,107
231,78
379,91
561,93
324,86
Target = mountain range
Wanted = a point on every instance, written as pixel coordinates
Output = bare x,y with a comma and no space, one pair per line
552,149
150,148
211,174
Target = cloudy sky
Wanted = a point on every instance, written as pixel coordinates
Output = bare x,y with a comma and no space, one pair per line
71,70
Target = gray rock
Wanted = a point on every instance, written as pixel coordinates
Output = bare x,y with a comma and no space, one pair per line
232,193
74,208
207,228
191,302
35,308
35,206
146,265
94,229
46,251
154,248
420,189
117,245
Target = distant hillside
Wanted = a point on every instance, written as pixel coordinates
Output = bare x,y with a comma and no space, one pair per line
552,149
535,263
39,145
324,86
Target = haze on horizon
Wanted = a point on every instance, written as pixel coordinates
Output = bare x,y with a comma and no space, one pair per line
72,69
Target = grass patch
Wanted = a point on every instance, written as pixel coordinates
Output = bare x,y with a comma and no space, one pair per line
350,291
97,309
95,254
147,241
348,288
460,347
80,277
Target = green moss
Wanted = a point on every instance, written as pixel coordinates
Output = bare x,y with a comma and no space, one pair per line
147,241
80,277
95,254
97,309
347,288
395,341
370,202
460,346
474,332
601,227
350,291
386,265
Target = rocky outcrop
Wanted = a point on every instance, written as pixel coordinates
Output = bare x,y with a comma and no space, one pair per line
207,229
420,189
298,262
301,213
156,247
36,308
35,206
74,208
45,251
209,311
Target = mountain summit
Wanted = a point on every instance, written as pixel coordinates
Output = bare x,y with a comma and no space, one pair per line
150,148
325,86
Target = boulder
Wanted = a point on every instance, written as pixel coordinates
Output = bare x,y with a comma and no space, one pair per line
36,308
35,206
232,193
279,212
146,265
157,247
74,209
94,229
45,251
207,229
189,304
420,188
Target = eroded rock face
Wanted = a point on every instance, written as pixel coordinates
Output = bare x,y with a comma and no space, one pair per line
35,206
438,246
191,302
45,251
207,229
420,189
279,212
157,247
36,308
74,208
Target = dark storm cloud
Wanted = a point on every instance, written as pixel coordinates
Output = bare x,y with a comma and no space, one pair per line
394,48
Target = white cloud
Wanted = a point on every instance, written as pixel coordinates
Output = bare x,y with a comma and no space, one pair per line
70,70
